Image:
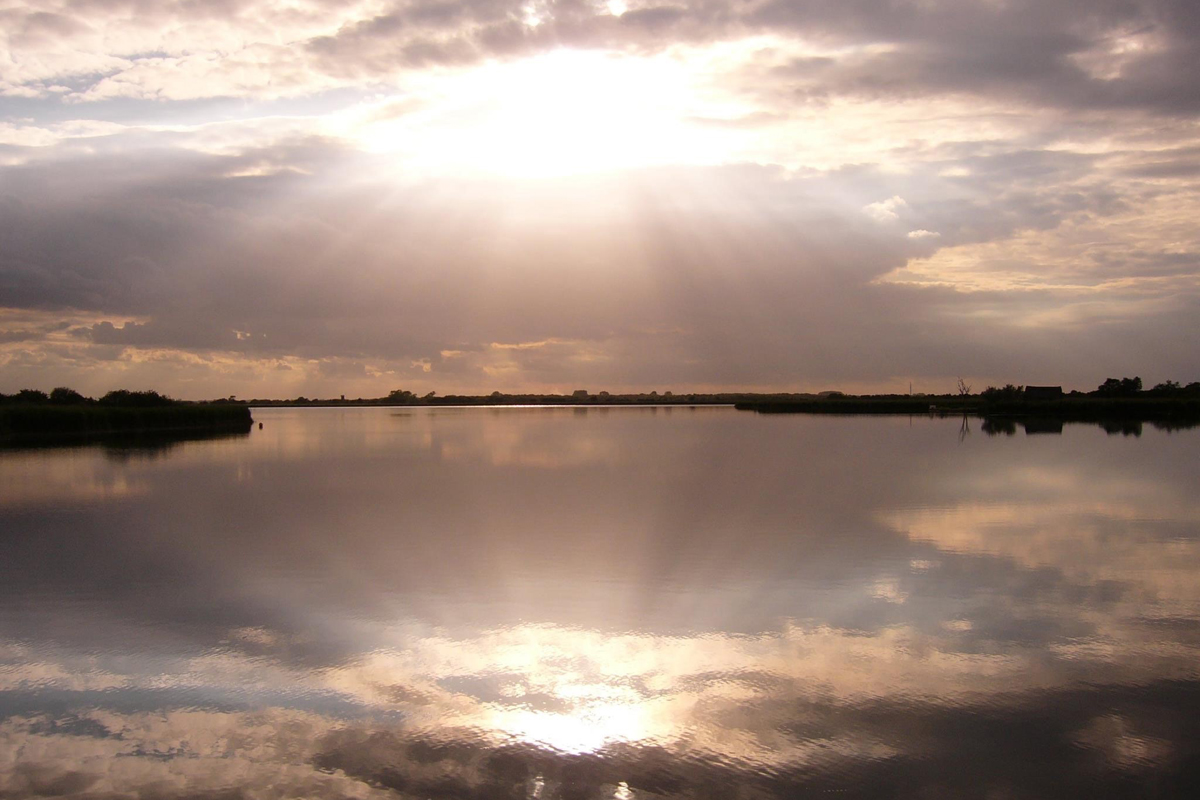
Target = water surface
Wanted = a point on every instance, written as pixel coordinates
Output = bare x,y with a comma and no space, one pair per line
585,603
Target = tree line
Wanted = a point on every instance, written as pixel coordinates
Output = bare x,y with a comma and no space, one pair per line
1112,387
62,396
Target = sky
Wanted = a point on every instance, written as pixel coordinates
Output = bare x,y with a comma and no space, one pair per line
269,199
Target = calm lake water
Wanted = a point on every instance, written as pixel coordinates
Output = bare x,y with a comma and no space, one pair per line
603,603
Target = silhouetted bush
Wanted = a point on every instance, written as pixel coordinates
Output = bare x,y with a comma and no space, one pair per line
29,397
128,399
1008,392
1175,389
62,396
1125,387
401,397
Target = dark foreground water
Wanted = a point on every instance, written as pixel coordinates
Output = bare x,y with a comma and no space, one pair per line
625,603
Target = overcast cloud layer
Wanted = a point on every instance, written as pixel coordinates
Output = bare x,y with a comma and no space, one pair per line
273,199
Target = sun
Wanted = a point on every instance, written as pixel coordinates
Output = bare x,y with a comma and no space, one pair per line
562,113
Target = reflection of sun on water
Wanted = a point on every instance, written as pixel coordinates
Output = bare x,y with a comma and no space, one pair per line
585,729
591,714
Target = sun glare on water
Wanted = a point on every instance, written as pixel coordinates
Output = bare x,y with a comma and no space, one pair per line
563,113
586,730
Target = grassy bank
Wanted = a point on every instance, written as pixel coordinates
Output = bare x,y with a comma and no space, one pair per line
17,420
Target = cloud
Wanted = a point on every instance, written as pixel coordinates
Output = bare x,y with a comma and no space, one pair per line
885,210
276,186
643,278
1121,55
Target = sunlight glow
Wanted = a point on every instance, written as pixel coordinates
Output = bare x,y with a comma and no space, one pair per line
571,112
562,113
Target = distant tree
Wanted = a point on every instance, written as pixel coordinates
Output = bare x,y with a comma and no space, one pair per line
124,397
63,396
1124,387
964,388
401,396
1167,387
1007,392
30,396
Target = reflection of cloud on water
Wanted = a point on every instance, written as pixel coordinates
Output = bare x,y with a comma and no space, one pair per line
1054,742
497,437
53,478
501,443
746,617
799,699
1148,552
176,753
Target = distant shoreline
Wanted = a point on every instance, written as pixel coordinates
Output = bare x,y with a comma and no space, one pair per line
65,413
1082,408
499,399
1073,407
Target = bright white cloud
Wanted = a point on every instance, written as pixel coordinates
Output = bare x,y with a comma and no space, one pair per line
886,210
